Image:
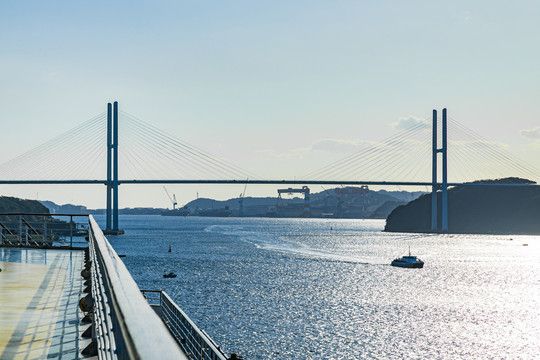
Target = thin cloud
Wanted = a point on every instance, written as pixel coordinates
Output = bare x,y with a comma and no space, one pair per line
410,122
533,133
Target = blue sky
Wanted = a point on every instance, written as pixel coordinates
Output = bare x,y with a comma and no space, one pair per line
264,84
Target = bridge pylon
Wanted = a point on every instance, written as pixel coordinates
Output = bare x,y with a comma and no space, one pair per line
112,170
436,186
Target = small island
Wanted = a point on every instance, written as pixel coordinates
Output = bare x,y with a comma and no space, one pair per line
475,210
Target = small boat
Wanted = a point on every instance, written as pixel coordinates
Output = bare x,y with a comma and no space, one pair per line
409,261
170,275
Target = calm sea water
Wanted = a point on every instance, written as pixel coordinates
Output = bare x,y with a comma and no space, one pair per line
324,289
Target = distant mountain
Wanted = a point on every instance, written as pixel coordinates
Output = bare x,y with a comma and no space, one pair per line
476,210
403,195
23,206
64,209
345,202
386,209
16,205
234,204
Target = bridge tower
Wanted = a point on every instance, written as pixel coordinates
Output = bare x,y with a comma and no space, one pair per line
435,185
109,167
112,170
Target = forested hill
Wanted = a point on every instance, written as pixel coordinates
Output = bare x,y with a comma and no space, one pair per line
16,205
476,210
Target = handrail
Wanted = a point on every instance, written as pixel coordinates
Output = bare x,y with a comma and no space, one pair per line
193,340
40,230
41,214
138,333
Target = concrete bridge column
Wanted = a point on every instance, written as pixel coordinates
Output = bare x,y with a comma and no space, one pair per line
434,175
109,166
444,204
435,185
115,167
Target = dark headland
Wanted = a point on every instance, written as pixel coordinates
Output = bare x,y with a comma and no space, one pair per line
476,210
15,205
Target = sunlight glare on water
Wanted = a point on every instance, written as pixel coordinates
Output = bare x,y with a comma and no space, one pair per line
324,289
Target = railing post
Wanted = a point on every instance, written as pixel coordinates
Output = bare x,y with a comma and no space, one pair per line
45,230
20,230
71,231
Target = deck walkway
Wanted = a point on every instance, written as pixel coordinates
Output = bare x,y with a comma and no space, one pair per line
39,294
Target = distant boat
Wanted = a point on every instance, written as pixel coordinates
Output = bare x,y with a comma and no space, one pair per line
170,275
408,261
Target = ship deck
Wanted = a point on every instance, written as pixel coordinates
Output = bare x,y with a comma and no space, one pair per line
39,313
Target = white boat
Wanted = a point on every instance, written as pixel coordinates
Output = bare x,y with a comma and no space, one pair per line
409,261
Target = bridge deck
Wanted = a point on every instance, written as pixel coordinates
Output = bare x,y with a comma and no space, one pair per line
39,315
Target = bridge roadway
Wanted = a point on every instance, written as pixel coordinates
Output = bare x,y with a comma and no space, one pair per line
257,182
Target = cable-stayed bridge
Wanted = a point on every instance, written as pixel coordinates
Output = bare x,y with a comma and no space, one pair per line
119,148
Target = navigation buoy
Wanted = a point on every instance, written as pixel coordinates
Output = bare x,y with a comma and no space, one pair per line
169,248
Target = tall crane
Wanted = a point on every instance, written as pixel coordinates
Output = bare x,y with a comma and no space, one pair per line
241,202
305,191
173,198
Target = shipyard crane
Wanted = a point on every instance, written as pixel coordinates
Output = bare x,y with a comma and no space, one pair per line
241,202
304,190
173,198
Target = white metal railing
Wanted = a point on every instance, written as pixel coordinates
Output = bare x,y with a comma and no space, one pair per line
194,341
125,326
41,230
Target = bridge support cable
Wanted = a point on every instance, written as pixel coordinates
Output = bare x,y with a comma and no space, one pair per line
366,157
60,157
487,159
162,160
178,158
403,154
